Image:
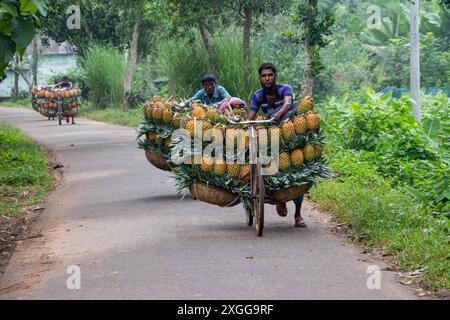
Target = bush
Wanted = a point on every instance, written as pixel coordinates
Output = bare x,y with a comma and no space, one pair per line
104,69
404,152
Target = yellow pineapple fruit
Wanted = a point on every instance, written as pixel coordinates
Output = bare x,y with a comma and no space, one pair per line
244,174
190,126
176,120
213,115
308,152
220,168
300,125
198,112
318,150
157,112
151,135
285,161
288,130
207,164
296,157
306,104
312,121
233,169
167,116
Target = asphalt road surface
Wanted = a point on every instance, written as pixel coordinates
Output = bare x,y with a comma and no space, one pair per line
114,229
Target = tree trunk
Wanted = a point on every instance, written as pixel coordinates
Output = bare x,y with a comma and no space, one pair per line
34,55
415,58
131,65
16,76
308,78
246,48
212,58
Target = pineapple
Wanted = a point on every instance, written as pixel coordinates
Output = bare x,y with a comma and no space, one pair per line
149,111
167,116
212,115
176,120
220,168
261,117
151,135
206,126
306,104
263,138
318,150
183,122
157,112
233,169
312,121
190,126
288,130
156,99
300,125
243,138
296,157
231,135
207,164
308,152
245,172
285,161
198,112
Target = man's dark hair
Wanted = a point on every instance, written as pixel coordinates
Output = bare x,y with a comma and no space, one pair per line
65,77
267,65
208,77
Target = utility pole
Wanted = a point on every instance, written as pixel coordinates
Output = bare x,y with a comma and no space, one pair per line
415,57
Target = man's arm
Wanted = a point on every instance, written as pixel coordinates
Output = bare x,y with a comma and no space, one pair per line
285,108
197,96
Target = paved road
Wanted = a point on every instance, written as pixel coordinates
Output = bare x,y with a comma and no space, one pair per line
118,219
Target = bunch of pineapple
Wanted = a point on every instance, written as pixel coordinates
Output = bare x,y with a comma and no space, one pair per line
45,99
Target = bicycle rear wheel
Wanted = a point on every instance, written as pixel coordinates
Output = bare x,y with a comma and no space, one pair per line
258,199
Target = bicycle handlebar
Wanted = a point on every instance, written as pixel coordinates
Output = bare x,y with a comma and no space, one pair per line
237,120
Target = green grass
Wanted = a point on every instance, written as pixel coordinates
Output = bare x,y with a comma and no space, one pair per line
386,218
24,175
130,118
24,102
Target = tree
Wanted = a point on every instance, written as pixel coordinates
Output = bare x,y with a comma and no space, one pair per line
415,58
315,27
202,15
249,11
19,20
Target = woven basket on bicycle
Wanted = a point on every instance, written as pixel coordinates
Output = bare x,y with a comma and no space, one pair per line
70,113
48,112
290,193
213,195
158,160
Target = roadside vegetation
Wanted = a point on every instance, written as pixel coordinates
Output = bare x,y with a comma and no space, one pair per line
24,175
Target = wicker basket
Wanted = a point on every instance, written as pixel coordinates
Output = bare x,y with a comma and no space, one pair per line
70,113
213,195
158,160
47,113
290,193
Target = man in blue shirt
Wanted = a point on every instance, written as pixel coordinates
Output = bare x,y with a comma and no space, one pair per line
211,94
275,100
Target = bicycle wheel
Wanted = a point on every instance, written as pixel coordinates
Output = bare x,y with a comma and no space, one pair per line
258,199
